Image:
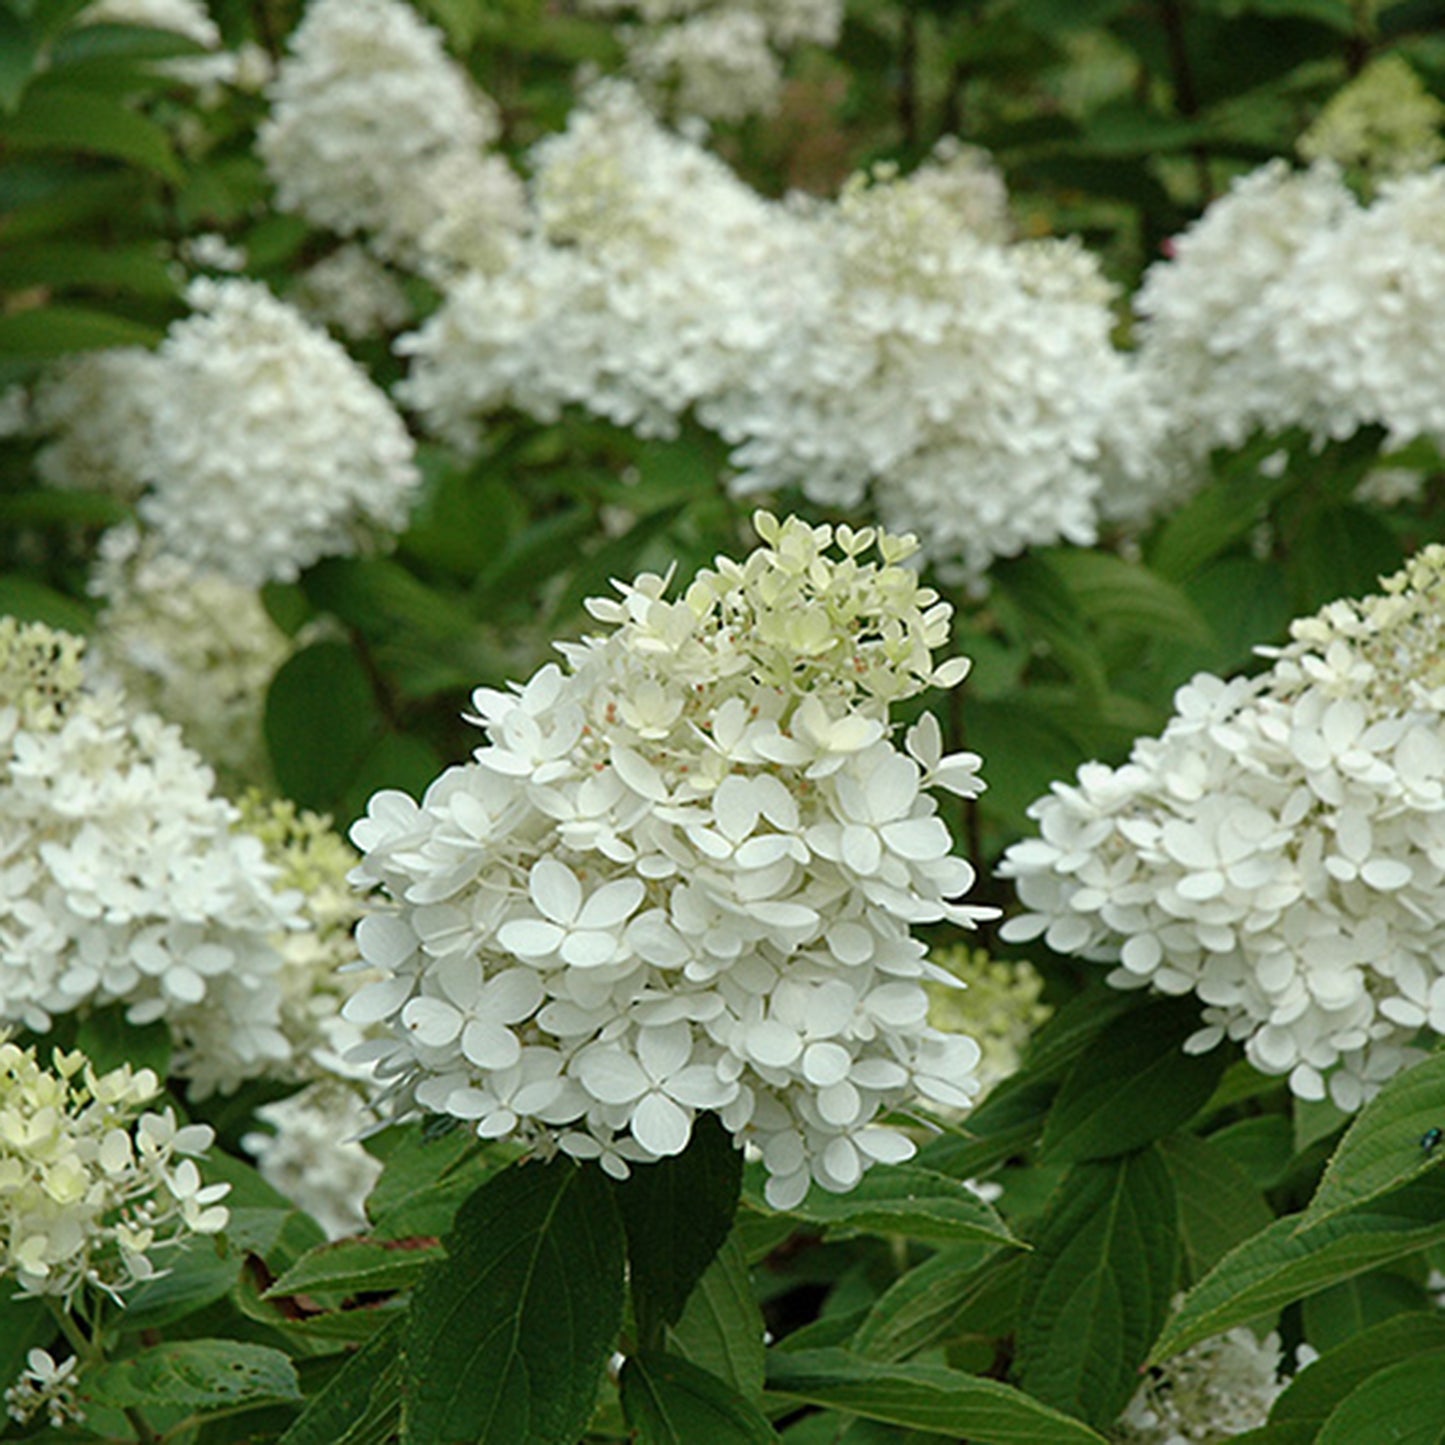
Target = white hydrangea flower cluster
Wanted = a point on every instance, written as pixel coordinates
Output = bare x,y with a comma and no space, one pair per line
193,646
376,131
717,59
45,1387
970,386
320,963
997,1002
1383,122
1290,304
679,876
90,1186
122,878
308,1151
1279,851
650,280
351,292
1220,1388
254,441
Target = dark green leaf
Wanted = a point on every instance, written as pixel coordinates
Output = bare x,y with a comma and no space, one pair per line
1339,552
1219,1207
50,331
904,1199
1342,1311
669,1401
355,1266
1284,1263
923,1397
1382,1148
677,1212
424,1181
361,1403
1314,1393
928,1304
1134,1084
1098,1285
58,117
1128,596
34,602
198,1374
721,1328
508,1340
106,1038
1410,1396
19,51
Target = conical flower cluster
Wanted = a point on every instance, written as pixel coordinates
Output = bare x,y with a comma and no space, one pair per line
680,873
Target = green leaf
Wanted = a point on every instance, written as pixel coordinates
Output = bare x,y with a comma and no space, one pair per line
904,1199
1409,1396
923,1397
1285,1263
137,269
1262,1146
1313,1394
1134,1085
356,1266
361,1403
1045,610
1219,1206
25,1324
928,1304
108,1040
321,721
1382,1148
19,53
668,1401
48,331
57,117
197,1374
721,1328
508,1339
425,1180
197,1273
1098,1286
34,602
1340,1312
1339,551
677,1212
1130,597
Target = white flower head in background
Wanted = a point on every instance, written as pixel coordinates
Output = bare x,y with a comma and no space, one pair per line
1220,1388
996,1002
352,293
1279,851
652,279
680,874
1384,122
91,1187
375,131
195,647
125,879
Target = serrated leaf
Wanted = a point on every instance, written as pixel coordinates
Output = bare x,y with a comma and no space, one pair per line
197,1374
928,1304
1313,1394
1219,1206
59,117
1283,1263
668,1401
1382,1149
677,1212
361,1403
356,1266
1098,1285
722,1327
1410,1396
1133,1085
904,1199
424,1181
1340,1312
508,1341
923,1397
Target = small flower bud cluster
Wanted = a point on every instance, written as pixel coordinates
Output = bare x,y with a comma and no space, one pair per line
320,965
44,1386
375,131
680,874
122,877
1279,851
90,1186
